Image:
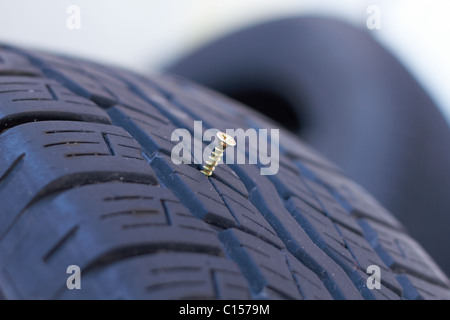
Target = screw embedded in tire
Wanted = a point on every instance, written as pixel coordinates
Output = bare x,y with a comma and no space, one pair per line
224,141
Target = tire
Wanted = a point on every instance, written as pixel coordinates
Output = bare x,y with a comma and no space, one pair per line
351,100
86,179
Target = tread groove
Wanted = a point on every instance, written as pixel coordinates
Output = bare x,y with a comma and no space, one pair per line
12,167
52,92
137,212
108,143
70,234
13,121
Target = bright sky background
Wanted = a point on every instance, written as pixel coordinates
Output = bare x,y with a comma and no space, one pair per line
146,34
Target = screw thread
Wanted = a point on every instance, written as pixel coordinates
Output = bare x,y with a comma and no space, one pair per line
224,140
214,159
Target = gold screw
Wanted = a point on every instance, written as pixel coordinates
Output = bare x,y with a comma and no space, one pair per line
224,141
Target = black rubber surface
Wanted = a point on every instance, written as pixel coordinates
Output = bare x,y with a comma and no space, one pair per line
86,179
350,99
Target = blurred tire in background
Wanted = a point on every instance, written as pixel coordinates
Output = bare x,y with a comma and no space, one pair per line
348,97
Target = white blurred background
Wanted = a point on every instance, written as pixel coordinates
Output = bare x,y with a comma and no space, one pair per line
147,34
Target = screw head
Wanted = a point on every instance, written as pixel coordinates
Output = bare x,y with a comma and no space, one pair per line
226,139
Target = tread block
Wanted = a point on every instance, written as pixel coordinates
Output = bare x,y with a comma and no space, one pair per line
89,80
152,131
384,293
418,289
287,185
328,203
333,240
310,286
144,88
268,278
71,74
59,155
97,226
290,146
350,196
225,175
217,118
297,242
25,99
401,253
204,202
322,231
221,114
366,256
246,215
154,134
166,276
14,64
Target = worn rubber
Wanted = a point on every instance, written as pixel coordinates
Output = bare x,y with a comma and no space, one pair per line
86,179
